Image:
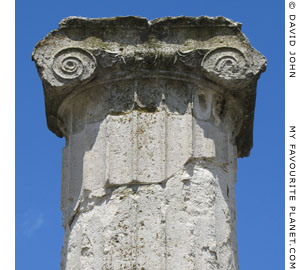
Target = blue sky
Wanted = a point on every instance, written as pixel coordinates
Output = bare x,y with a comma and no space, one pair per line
260,185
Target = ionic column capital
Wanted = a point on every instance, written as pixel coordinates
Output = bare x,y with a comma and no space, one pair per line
210,52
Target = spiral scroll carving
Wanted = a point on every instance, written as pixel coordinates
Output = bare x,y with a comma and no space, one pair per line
227,66
73,63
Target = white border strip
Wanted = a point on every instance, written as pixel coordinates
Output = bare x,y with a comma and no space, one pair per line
7,115
292,133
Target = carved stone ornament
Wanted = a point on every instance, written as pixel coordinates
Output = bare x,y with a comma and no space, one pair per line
155,115
71,64
103,50
227,66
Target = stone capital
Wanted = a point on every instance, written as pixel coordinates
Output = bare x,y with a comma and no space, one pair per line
205,51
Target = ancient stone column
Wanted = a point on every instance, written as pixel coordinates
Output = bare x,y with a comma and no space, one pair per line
155,115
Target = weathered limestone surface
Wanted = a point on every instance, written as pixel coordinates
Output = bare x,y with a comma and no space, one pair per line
155,115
